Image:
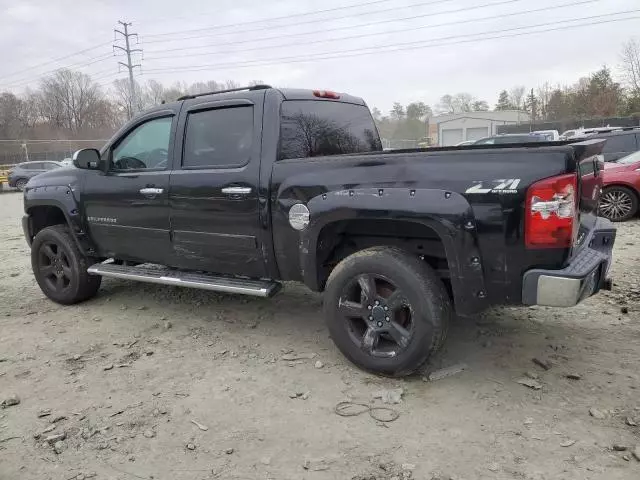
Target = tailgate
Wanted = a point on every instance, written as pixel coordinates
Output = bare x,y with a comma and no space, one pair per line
589,165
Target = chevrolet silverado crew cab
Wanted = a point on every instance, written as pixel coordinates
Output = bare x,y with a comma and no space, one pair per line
236,191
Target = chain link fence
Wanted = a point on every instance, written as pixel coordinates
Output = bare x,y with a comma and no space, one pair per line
398,144
13,152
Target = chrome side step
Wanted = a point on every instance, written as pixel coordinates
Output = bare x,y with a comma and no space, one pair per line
165,276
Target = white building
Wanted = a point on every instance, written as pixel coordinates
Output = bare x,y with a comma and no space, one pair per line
453,128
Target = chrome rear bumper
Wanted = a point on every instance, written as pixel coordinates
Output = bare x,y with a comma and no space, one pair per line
585,275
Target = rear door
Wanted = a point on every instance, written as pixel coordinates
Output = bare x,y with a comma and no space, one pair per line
213,192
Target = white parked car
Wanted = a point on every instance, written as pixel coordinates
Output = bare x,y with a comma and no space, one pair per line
550,135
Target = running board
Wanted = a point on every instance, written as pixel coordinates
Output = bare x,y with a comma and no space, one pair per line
164,276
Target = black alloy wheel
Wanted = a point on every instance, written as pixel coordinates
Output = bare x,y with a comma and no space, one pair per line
54,266
60,267
386,310
378,314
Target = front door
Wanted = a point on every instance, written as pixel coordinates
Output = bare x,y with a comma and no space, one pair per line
127,208
215,217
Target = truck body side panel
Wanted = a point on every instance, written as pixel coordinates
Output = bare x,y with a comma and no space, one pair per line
466,196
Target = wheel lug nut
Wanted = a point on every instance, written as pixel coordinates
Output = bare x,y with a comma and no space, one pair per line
386,309
368,307
379,324
370,317
387,319
377,302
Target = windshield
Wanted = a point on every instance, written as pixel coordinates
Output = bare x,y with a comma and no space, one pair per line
629,159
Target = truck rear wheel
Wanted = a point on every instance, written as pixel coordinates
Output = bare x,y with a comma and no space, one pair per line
386,310
60,267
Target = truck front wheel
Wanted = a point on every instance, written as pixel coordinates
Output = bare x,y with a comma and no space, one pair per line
386,310
60,267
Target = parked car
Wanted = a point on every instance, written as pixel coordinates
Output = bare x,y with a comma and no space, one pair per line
585,132
21,173
550,135
621,188
511,138
620,143
465,142
235,191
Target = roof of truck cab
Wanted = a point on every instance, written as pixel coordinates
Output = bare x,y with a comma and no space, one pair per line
287,94
306,94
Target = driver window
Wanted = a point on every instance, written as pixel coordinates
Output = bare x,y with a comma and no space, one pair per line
147,146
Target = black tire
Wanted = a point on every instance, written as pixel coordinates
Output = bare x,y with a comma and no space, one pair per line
618,204
410,293
21,183
60,267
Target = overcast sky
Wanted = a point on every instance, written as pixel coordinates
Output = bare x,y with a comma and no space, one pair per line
430,46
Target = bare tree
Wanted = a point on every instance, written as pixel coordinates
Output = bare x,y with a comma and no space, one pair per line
69,98
463,102
153,93
128,102
543,94
10,110
516,96
631,65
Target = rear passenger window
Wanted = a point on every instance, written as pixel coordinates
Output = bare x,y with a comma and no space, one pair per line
218,138
620,143
311,128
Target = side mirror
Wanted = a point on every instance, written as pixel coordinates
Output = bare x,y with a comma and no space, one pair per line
87,158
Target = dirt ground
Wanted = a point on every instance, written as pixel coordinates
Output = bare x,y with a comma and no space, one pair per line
148,382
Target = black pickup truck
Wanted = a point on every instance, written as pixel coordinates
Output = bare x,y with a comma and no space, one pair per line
235,191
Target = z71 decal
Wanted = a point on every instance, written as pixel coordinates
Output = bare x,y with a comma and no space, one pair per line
509,185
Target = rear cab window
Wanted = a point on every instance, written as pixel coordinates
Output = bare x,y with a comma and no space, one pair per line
313,128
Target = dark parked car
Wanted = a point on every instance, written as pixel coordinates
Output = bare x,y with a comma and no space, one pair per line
238,190
508,138
620,143
21,173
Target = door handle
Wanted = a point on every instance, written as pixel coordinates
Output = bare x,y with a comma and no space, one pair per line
151,191
237,190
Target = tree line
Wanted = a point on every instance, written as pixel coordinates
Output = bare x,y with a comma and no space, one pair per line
598,95
70,105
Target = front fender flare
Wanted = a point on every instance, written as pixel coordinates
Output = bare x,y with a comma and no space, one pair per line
63,198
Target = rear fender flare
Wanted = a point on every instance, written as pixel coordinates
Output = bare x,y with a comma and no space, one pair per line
447,213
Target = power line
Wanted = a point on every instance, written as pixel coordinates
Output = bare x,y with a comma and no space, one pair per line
349,27
294,15
364,35
268,27
23,81
402,46
55,60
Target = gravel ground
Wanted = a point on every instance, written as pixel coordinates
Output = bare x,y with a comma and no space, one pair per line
150,382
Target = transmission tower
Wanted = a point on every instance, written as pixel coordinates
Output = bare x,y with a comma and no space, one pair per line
129,66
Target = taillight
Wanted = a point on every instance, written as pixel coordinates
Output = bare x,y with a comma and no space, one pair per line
551,212
326,94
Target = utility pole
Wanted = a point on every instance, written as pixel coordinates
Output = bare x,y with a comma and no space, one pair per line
532,100
129,66
26,151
